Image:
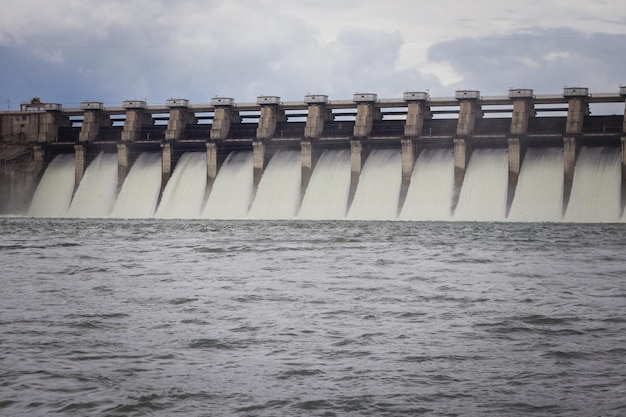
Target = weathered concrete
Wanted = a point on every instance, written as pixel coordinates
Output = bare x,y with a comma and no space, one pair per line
93,120
309,155
623,186
469,111
80,157
167,164
358,154
317,114
223,116
577,109
51,120
136,119
271,114
124,162
261,154
571,146
180,117
523,111
366,113
215,156
516,152
410,152
417,112
462,153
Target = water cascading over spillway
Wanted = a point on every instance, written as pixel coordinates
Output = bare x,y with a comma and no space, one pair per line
278,194
95,195
184,193
231,195
484,192
326,197
54,191
539,192
378,191
430,194
140,192
595,193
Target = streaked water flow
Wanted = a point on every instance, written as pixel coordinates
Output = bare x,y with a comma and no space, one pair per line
430,194
96,192
539,192
140,192
326,197
184,193
231,195
54,192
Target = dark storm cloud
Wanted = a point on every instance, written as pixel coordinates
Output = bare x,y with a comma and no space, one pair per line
542,59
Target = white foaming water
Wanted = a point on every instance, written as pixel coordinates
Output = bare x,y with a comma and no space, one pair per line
232,191
430,194
326,197
539,192
139,195
54,191
484,192
95,195
278,193
595,193
184,193
378,192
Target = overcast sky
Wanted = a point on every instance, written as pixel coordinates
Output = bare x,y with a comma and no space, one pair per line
68,51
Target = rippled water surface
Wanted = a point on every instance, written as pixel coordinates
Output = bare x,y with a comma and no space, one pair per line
201,318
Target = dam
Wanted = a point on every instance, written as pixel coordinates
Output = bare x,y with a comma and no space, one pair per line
517,157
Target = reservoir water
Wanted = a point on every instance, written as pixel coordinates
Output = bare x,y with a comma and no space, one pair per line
165,317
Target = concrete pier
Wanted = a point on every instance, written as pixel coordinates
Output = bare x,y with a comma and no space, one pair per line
469,112
271,114
93,119
167,164
180,117
359,151
125,160
577,109
136,119
366,113
309,155
51,121
317,114
224,116
523,111
80,157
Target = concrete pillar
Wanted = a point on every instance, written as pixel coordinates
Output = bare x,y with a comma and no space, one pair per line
261,154
136,119
410,153
523,110
124,162
51,120
317,114
167,163
39,154
271,114
180,117
223,116
358,155
309,155
469,111
623,187
366,113
577,109
93,120
80,152
417,112
571,147
215,156
517,149
462,153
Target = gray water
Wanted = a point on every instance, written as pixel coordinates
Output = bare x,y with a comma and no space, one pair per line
205,318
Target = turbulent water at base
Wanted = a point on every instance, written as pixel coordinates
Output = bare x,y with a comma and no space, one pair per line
231,195
282,318
278,194
184,193
484,192
539,192
54,192
430,195
140,192
377,195
95,195
326,197
596,187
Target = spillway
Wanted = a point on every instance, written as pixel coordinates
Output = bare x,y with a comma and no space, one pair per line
140,192
95,195
184,194
54,192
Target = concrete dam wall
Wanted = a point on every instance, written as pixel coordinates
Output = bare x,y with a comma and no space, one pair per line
521,157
